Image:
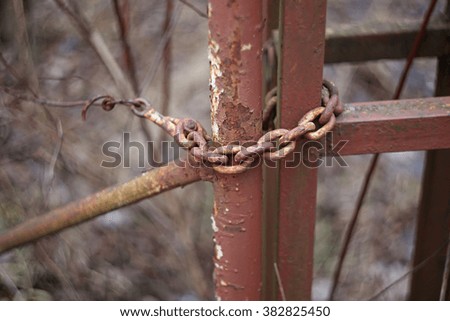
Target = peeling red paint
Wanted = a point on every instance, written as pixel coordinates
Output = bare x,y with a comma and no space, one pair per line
301,62
235,42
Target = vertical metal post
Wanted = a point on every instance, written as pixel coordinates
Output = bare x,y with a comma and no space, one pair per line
433,223
235,45
302,41
270,179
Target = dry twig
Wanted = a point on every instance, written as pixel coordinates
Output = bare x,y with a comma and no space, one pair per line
195,9
96,41
122,15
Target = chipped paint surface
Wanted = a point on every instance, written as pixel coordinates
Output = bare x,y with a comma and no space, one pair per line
234,43
246,47
215,73
209,10
214,226
219,252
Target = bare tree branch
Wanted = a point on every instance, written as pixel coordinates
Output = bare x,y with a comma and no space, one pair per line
160,52
197,10
446,276
43,101
122,15
96,41
28,72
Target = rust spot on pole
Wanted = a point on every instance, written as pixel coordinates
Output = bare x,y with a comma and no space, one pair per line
235,44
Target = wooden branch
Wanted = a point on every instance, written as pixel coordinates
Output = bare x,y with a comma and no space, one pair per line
195,9
159,52
156,181
27,69
96,41
123,17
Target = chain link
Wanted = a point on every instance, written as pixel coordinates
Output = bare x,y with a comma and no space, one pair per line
233,159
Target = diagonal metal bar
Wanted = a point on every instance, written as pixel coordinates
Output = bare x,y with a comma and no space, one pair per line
151,183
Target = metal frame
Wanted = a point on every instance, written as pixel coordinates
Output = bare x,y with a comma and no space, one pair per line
264,245
290,193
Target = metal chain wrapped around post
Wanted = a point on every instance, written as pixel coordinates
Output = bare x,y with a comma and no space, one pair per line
233,159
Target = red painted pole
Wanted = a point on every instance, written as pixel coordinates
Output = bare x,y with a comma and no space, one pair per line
235,45
433,222
302,41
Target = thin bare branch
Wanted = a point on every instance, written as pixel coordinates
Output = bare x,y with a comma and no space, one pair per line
352,224
167,64
28,71
96,41
43,101
167,59
50,171
122,14
149,184
446,276
195,9
51,266
413,270
160,51
12,71
280,282
9,285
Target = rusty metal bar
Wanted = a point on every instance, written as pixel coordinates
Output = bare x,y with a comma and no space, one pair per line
149,184
433,223
391,126
386,40
302,33
432,227
235,47
270,178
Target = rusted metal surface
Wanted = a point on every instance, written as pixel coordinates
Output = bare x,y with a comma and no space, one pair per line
270,175
234,158
432,227
391,126
433,223
375,159
235,47
139,106
387,40
302,41
149,184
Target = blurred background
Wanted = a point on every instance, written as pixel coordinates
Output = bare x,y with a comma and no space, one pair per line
161,249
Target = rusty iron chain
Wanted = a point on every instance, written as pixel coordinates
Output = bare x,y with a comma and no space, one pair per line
233,159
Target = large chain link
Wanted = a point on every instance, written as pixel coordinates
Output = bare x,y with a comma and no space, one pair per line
233,159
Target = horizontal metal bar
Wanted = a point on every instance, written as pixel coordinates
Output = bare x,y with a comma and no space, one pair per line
385,40
392,126
151,183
